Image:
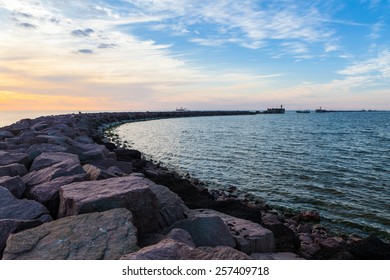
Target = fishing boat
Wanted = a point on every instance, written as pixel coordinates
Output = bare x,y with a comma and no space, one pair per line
303,111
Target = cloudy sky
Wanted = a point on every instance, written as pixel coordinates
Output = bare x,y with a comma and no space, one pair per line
211,54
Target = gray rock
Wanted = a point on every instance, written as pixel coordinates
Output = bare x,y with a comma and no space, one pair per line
95,173
12,170
10,157
14,184
106,235
37,177
9,226
21,209
130,192
171,207
47,159
87,152
177,245
5,134
48,193
207,231
40,125
37,149
250,237
125,167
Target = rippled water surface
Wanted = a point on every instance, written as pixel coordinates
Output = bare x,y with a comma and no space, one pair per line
336,163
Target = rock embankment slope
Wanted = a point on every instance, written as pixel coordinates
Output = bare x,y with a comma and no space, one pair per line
67,192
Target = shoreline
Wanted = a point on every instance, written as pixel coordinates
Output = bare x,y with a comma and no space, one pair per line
26,143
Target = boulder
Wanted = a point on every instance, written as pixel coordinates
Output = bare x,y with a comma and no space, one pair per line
14,184
37,177
171,207
10,157
309,216
40,125
106,235
21,209
87,152
208,231
9,226
249,237
48,159
12,170
178,245
127,154
125,167
130,192
48,193
5,134
95,173
370,248
37,149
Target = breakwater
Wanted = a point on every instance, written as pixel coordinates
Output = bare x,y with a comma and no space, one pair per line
68,192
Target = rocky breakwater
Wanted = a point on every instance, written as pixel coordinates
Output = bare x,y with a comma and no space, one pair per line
67,192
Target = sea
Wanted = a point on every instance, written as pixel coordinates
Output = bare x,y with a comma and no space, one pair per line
335,163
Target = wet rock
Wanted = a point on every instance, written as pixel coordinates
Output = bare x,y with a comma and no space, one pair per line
106,235
130,192
207,231
309,216
127,154
21,209
370,248
9,226
48,193
14,184
249,237
12,170
178,245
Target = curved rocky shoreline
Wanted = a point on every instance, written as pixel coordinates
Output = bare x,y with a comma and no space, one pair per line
68,192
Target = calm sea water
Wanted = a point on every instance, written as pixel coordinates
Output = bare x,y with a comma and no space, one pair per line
336,163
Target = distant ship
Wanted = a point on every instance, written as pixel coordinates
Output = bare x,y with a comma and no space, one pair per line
303,111
181,109
320,110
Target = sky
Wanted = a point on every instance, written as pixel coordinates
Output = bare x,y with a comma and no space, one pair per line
133,55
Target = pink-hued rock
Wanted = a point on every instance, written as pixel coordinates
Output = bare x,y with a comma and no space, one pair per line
130,192
94,236
249,237
45,160
178,245
21,209
87,152
48,193
309,216
14,184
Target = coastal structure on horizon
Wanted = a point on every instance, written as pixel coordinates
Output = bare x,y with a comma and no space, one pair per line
280,110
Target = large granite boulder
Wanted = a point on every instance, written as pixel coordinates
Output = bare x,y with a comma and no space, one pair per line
10,157
95,236
249,237
125,167
178,245
5,134
48,159
207,231
60,169
171,207
9,226
87,152
21,209
14,184
35,150
48,193
130,192
96,173
12,170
